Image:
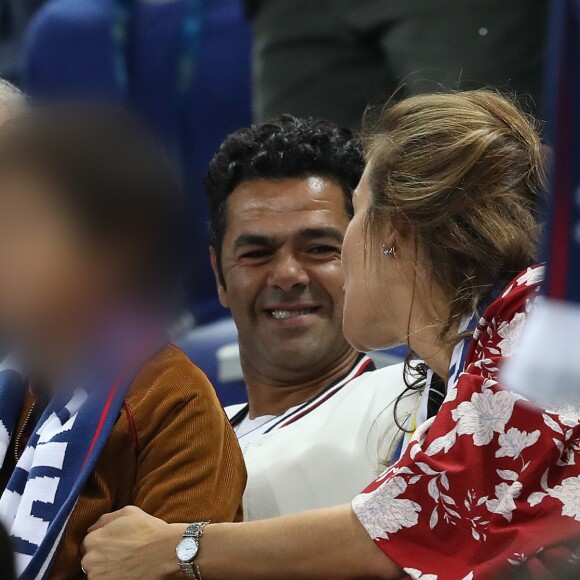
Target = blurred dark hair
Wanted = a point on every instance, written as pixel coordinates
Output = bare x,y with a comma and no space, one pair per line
112,177
284,148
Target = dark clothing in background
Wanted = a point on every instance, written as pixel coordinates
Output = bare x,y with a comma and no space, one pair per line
14,16
6,556
330,58
69,53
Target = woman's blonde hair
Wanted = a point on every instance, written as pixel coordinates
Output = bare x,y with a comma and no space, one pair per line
464,172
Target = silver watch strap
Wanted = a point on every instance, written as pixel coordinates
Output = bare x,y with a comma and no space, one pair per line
188,571
195,530
191,569
196,571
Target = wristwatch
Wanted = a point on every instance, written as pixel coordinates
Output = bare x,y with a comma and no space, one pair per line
188,548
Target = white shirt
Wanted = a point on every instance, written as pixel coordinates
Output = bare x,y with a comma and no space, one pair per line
248,430
327,450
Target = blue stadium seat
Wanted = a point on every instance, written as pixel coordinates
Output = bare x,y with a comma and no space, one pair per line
214,348
69,53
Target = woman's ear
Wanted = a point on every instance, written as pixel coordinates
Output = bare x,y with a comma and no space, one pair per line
390,242
402,238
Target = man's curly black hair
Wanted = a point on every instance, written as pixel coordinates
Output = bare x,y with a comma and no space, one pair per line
284,148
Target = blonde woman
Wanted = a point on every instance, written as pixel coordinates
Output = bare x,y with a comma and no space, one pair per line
440,255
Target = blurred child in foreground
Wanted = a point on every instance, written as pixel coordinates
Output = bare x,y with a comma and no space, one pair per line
97,410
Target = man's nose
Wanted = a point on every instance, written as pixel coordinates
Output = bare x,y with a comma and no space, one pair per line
287,273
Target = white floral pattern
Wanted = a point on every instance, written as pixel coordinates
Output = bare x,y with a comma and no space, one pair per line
512,443
403,512
504,503
569,416
510,333
568,492
487,413
418,575
532,276
487,458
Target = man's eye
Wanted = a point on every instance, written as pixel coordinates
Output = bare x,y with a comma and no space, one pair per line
324,250
256,254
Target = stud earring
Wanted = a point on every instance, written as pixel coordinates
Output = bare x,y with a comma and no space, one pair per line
388,250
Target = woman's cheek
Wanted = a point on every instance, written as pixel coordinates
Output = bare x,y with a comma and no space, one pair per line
348,321
354,301
355,324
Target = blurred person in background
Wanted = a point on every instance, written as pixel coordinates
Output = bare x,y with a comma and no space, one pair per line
12,102
14,17
97,409
331,58
182,65
319,420
440,254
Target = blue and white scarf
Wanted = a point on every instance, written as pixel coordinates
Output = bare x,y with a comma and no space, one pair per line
60,454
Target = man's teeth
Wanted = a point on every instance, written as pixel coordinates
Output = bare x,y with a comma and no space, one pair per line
286,314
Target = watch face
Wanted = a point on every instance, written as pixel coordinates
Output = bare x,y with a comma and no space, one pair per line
187,549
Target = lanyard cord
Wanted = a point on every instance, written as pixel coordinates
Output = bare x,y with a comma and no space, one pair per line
186,66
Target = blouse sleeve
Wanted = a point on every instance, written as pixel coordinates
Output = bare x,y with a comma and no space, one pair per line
491,481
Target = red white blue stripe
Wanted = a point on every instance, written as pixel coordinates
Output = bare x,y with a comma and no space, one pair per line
562,239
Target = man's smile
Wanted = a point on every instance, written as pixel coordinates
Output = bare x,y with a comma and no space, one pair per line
286,314
292,315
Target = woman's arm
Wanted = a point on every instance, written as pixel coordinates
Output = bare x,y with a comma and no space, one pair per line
328,543
321,544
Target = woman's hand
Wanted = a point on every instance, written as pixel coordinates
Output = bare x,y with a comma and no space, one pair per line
131,545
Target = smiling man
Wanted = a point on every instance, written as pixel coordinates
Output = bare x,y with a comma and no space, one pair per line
318,423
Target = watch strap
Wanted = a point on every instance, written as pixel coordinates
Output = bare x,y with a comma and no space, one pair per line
188,571
191,569
195,530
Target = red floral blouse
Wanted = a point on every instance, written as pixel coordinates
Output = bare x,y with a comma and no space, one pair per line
491,484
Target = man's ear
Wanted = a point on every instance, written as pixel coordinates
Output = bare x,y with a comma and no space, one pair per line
222,292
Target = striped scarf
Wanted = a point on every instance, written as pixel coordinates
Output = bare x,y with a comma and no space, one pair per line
60,454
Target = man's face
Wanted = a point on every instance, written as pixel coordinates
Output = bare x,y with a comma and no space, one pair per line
283,277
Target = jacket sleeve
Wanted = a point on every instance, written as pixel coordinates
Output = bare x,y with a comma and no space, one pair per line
189,464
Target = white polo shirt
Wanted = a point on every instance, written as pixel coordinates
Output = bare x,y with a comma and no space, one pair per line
324,452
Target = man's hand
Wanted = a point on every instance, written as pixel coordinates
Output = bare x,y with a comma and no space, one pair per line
131,545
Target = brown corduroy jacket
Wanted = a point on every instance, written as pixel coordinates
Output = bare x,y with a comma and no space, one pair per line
172,453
